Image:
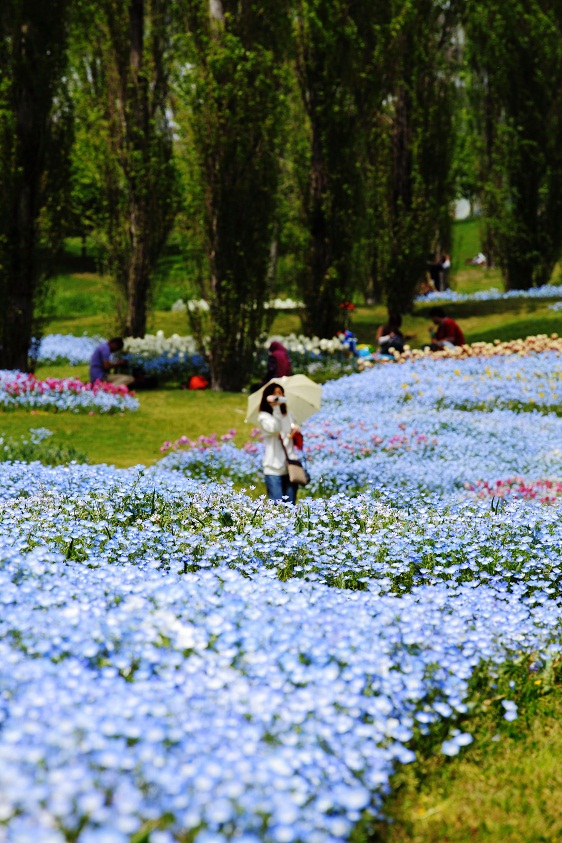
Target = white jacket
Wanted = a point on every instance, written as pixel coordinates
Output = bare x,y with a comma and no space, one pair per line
272,424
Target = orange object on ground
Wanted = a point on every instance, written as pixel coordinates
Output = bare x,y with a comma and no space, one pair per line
197,382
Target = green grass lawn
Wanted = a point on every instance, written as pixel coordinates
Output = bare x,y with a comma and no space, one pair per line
169,413
466,242
504,789
83,301
103,324
134,438
485,321
480,321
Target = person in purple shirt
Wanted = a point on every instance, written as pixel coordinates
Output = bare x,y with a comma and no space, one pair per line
101,363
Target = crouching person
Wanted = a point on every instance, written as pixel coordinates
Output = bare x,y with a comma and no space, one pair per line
103,360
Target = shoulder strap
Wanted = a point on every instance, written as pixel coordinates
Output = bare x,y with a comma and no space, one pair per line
302,458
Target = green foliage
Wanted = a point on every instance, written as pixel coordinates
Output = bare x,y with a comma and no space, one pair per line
291,238
37,447
413,149
316,147
122,440
34,134
504,787
234,87
125,181
340,58
515,54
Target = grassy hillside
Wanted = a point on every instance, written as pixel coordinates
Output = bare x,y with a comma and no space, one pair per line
83,301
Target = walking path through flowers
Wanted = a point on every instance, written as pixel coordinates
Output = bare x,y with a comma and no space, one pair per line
181,661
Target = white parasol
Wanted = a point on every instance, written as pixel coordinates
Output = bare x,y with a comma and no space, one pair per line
303,398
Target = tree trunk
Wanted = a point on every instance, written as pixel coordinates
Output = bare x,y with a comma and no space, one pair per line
401,276
240,48
519,273
137,294
139,179
319,318
14,353
23,236
18,301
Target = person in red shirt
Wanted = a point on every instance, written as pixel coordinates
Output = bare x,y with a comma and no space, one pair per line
448,332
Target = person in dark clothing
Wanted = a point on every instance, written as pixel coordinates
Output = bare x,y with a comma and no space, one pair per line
390,336
278,362
434,269
445,270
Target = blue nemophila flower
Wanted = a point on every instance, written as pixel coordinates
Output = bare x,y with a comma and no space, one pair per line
434,427
510,710
64,348
453,745
175,656
493,294
216,698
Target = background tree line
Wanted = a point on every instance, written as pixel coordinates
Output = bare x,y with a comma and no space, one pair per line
314,146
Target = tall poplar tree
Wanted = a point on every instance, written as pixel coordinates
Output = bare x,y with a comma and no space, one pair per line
413,148
515,53
34,135
123,58
341,63
234,87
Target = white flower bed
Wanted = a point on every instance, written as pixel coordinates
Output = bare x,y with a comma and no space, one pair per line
180,306
154,345
284,304
301,344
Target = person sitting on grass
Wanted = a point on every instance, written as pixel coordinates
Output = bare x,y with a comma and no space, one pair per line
448,333
389,336
102,361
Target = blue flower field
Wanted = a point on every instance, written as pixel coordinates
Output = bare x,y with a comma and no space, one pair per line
181,661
